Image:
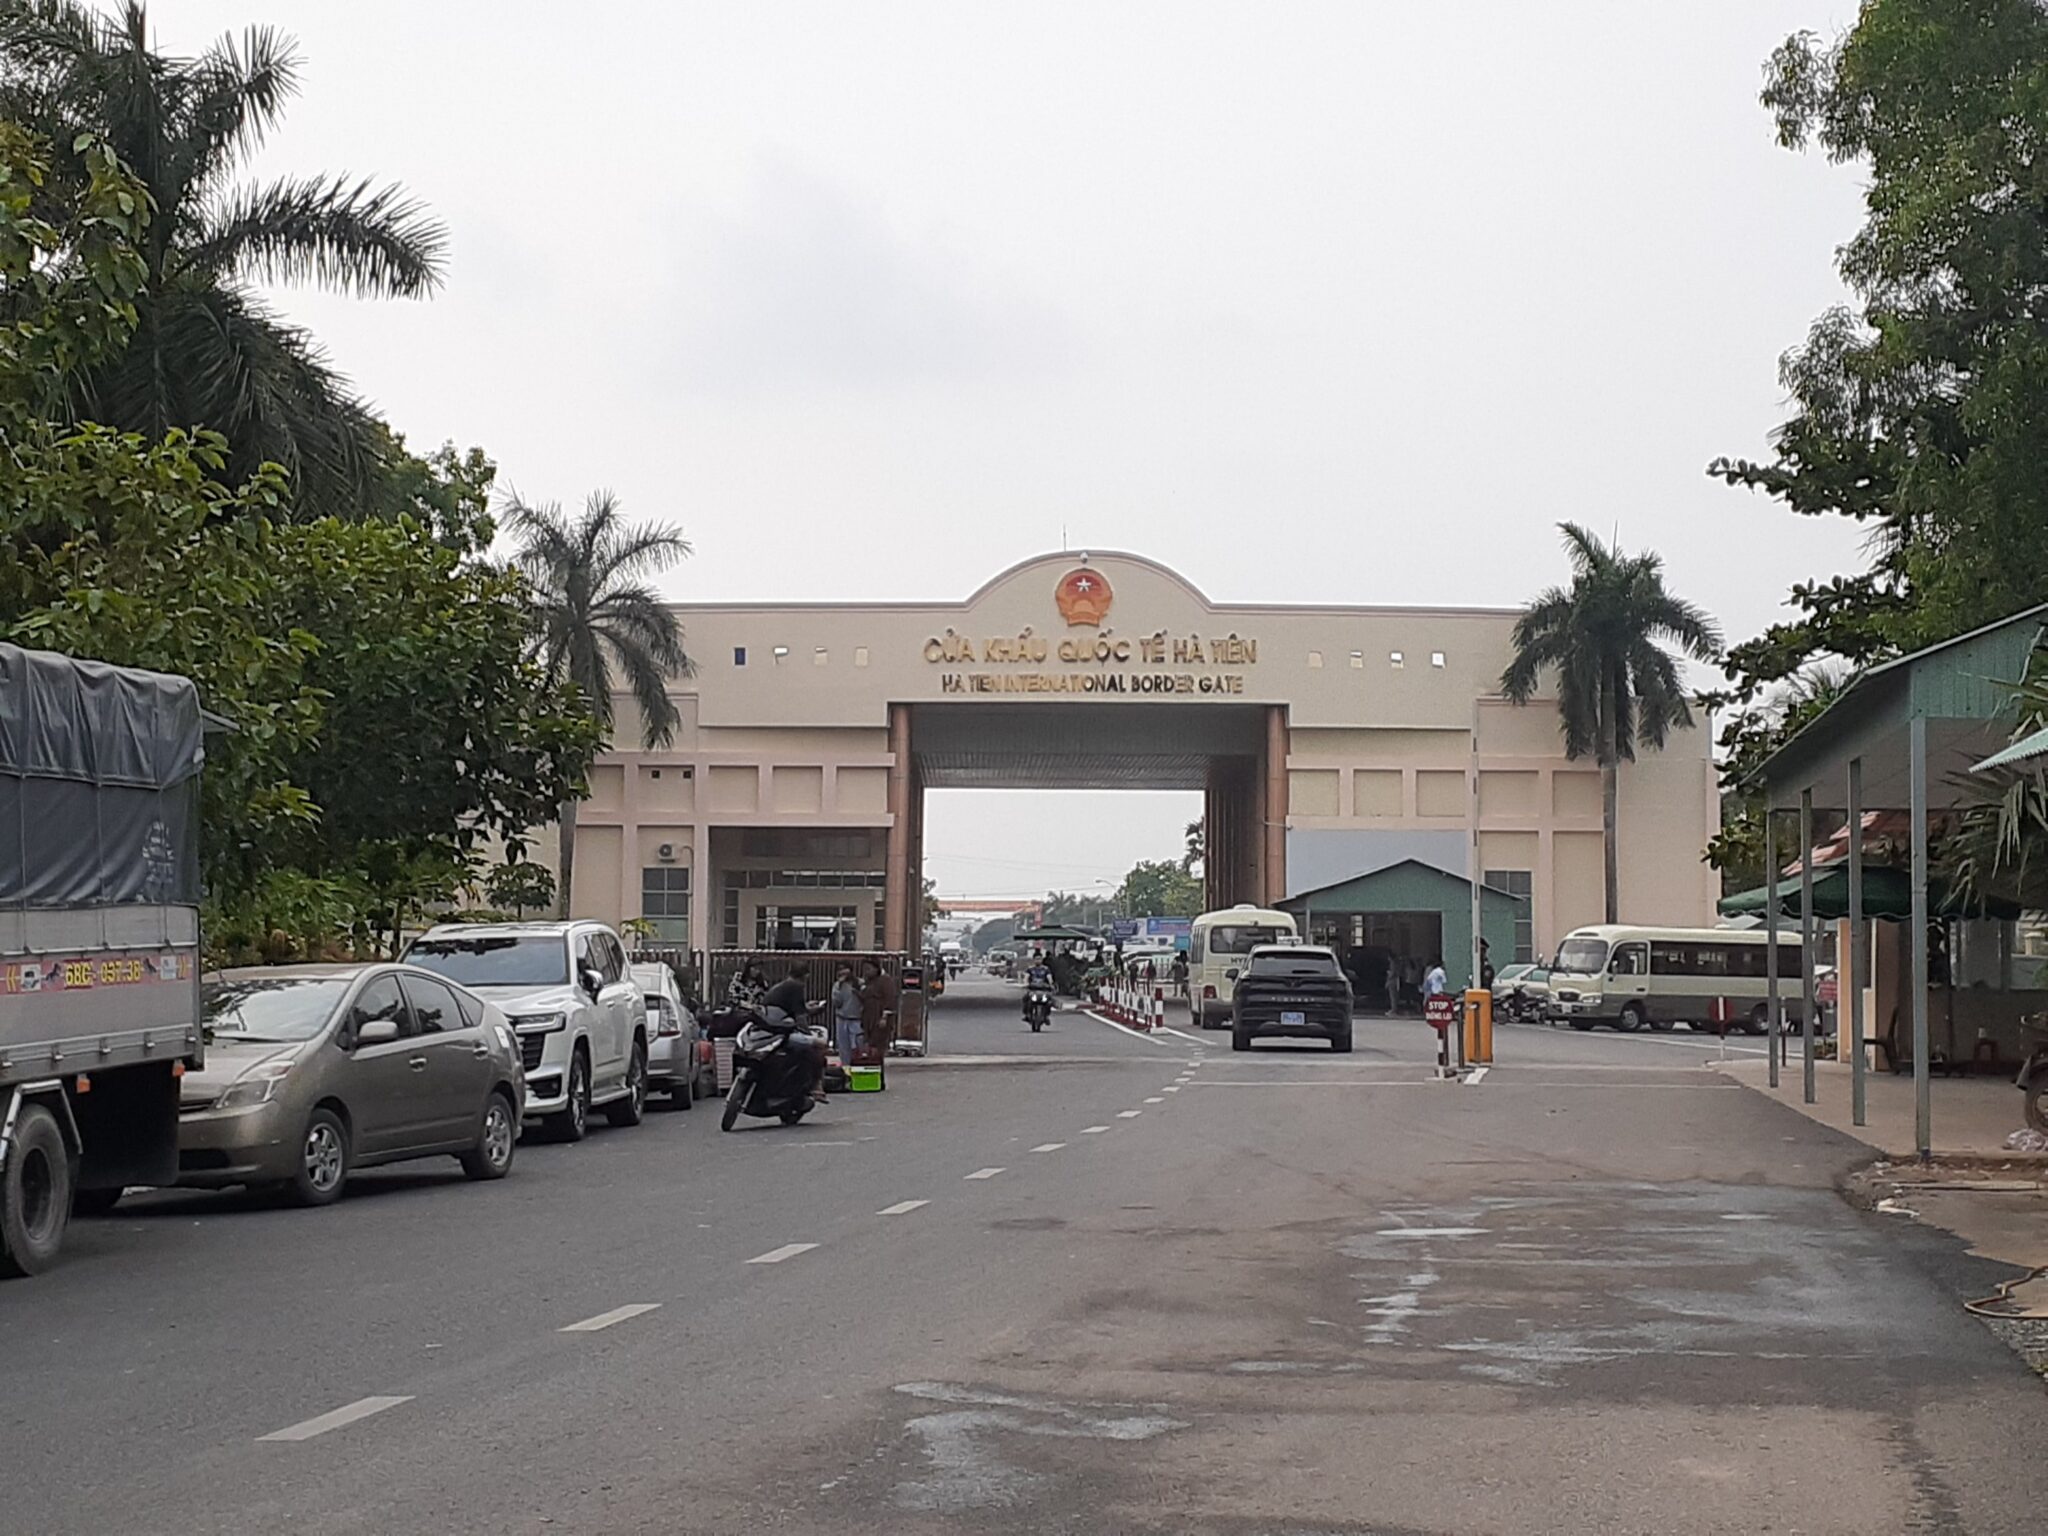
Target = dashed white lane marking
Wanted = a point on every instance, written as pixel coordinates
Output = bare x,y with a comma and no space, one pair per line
361,1408
1155,1101
616,1315
901,1207
1129,1114
1093,1130
1476,1075
786,1251
1050,1146
1171,1088
984,1173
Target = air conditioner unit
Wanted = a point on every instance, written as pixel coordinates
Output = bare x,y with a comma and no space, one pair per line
666,853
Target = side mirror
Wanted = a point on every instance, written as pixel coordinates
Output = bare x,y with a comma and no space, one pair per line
1231,974
377,1032
593,980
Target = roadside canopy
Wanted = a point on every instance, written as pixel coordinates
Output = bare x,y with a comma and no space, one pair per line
1887,894
2026,750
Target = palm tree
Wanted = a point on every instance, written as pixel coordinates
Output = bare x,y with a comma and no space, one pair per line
595,619
207,350
1617,687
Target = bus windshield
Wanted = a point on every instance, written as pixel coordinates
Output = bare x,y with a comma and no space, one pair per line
1581,957
1242,938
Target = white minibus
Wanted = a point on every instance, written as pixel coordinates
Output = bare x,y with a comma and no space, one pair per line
1631,977
1218,944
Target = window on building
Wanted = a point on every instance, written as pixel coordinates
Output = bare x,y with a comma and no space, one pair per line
739,655
1315,658
1396,659
1520,884
818,657
1358,658
781,653
665,901
860,655
1436,658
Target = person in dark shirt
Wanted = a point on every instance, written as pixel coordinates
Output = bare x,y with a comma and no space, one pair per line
788,993
787,996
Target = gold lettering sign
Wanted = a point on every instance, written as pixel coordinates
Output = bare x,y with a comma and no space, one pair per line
1105,663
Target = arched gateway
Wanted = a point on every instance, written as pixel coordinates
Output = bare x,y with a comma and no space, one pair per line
1333,745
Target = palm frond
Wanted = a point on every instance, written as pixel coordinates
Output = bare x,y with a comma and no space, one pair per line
375,242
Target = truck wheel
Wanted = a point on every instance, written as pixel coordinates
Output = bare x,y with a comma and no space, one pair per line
35,1194
323,1161
633,1107
1630,1019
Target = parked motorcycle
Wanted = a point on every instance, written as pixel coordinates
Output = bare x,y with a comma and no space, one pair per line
772,1078
1037,1008
2033,1082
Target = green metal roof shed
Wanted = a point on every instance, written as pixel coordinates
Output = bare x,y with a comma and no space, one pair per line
1901,736
1413,886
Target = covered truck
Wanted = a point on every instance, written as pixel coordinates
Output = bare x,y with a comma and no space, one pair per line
99,937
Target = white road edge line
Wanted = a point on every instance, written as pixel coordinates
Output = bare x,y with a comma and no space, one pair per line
616,1315
1171,1088
1155,1101
1135,1034
1129,1114
1194,1039
362,1408
777,1255
1050,1146
1093,1130
984,1173
1476,1075
901,1207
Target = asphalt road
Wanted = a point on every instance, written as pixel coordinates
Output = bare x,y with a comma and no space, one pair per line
1080,1282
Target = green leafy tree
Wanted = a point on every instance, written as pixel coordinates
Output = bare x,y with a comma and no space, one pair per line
595,621
1916,412
206,350
1602,640
519,885
1066,909
1159,888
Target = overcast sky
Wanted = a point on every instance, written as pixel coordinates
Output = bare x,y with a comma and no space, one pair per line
1326,302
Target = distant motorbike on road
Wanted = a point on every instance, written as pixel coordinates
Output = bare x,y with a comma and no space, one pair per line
773,1069
1038,1008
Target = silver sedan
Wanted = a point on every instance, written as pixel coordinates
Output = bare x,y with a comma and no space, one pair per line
313,1071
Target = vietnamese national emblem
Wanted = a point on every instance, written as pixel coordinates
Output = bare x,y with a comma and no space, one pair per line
1083,596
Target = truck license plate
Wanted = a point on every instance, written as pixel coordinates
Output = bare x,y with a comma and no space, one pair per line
1293,1018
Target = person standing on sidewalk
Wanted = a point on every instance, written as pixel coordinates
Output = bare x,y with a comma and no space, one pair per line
877,1007
846,1013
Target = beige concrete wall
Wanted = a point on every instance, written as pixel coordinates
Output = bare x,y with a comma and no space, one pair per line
801,738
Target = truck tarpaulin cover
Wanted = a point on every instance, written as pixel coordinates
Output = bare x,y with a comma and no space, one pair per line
99,783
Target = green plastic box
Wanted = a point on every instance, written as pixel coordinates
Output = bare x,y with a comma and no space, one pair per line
864,1079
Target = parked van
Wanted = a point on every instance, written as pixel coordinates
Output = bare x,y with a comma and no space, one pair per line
1219,945
1629,977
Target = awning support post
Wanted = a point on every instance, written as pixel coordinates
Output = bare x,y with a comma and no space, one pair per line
1859,946
1771,931
1806,993
1923,1108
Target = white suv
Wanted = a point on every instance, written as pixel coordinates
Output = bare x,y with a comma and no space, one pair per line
579,1015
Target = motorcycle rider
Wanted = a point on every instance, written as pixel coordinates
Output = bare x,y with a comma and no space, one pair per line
1037,979
787,998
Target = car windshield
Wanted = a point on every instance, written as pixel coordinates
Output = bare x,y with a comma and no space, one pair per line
495,960
1581,957
1243,938
1294,962
272,1010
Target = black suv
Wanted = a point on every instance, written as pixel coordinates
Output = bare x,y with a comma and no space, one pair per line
1293,990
